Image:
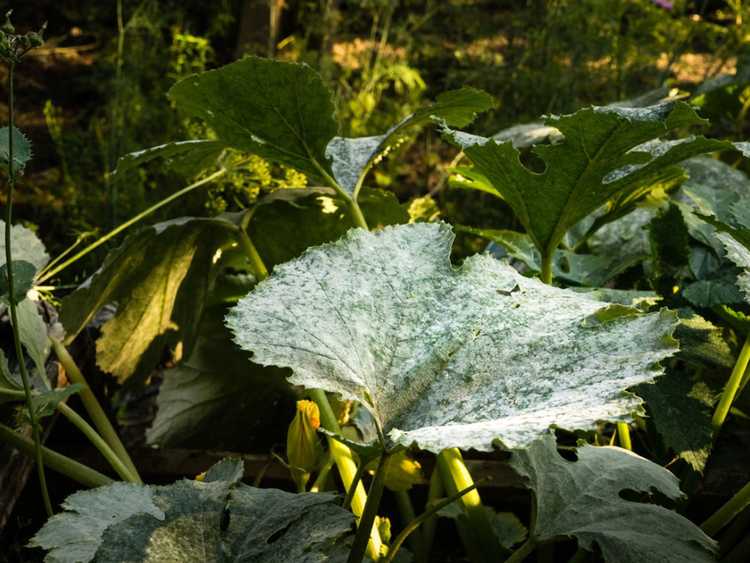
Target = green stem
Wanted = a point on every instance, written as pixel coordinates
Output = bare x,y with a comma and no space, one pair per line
733,384
55,461
342,455
522,552
95,410
261,272
546,274
483,545
353,487
406,508
623,434
12,301
351,200
322,477
78,421
422,518
132,221
364,529
724,515
434,492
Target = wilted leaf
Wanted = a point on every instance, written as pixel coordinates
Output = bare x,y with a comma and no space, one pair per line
448,357
606,152
215,520
583,499
21,149
159,278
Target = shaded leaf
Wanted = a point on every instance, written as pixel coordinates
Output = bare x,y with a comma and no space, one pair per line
26,246
32,331
216,520
607,152
21,149
202,402
447,357
278,110
23,280
45,404
681,414
189,158
159,278
583,499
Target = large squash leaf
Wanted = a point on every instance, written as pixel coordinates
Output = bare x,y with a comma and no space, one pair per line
159,278
216,520
187,157
284,112
448,357
278,110
606,152
584,499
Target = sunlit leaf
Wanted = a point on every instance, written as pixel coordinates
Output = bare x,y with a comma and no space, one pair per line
186,157
448,357
606,152
21,149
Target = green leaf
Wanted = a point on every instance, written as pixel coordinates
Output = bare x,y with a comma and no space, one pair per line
278,110
7,379
213,520
582,269
738,251
283,230
202,402
606,152
703,342
23,280
21,149
352,157
669,242
159,278
583,499
26,246
681,412
189,158
447,357
713,187
32,331
45,404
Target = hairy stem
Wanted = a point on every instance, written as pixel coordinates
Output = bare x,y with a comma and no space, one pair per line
726,513
365,527
342,455
95,410
80,473
546,274
733,384
406,508
99,443
12,300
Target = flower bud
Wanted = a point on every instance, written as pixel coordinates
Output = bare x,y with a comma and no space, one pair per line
303,448
402,472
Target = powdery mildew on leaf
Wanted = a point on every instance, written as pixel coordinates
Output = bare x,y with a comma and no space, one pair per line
583,499
350,157
220,519
606,152
448,357
26,246
740,255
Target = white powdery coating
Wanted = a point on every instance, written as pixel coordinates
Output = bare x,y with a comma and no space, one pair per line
441,356
350,156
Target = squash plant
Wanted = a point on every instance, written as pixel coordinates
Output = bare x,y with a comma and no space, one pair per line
434,357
